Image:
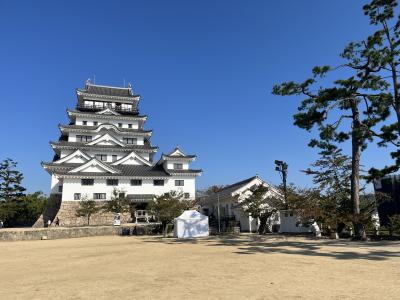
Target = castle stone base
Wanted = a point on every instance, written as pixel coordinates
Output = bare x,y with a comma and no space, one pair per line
66,213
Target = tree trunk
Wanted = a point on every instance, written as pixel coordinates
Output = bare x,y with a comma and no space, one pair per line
355,169
88,220
263,227
394,71
165,229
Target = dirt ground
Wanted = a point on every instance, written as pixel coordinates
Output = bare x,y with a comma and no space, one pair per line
246,267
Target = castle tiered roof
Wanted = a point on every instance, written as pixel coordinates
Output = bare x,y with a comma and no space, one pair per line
104,127
82,142
177,155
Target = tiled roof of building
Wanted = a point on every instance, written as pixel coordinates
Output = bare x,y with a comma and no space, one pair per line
78,145
156,171
140,197
95,115
229,189
88,128
108,90
178,156
184,172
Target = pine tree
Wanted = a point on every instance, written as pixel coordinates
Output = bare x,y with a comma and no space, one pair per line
378,57
166,207
11,191
10,181
368,96
87,208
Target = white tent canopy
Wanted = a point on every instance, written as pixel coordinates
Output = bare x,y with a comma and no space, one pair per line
191,224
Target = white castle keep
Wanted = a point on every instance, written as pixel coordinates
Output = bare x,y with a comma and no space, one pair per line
105,146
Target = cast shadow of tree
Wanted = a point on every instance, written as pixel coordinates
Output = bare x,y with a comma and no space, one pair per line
336,249
313,247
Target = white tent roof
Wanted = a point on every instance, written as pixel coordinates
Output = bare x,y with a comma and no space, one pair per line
191,215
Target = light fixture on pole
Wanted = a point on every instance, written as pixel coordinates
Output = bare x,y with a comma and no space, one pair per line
282,168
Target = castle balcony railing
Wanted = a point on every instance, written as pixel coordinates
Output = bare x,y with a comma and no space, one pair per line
93,107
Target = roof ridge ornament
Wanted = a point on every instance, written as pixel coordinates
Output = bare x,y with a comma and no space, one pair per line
130,88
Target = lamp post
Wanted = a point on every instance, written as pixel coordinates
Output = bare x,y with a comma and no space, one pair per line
282,168
219,218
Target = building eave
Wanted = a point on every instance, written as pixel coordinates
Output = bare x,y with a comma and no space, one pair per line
72,113
89,96
99,128
57,146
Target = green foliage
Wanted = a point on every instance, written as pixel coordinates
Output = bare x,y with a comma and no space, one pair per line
214,189
352,107
376,59
8,209
261,205
394,224
306,203
117,204
10,181
167,207
87,208
30,207
331,173
24,211
16,209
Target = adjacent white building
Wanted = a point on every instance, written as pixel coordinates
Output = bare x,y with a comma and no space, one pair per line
105,146
225,203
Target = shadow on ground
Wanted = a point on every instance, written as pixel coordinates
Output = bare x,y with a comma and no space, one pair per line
336,249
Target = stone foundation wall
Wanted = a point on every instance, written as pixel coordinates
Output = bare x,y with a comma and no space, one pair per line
66,213
30,234
49,212
67,216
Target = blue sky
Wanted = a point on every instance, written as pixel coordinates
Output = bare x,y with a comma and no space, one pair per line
204,69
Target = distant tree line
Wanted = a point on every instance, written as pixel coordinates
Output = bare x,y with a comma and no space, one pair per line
16,207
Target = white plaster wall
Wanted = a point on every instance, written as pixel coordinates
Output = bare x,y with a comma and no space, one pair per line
288,223
109,154
55,183
135,124
170,164
76,160
65,153
120,137
71,186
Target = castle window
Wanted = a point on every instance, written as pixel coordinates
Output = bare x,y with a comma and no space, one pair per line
95,123
178,166
112,181
129,125
87,181
83,138
179,182
114,158
99,196
136,182
60,187
130,141
77,196
102,157
84,122
119,124
158,182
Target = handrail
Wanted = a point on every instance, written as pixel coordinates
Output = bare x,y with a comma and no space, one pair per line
101,107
